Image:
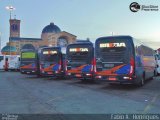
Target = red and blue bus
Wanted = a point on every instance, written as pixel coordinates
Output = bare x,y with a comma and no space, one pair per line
80,60
123,59
28,61
51,61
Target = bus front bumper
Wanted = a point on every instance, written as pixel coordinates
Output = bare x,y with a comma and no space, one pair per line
52,73
28,71
80,75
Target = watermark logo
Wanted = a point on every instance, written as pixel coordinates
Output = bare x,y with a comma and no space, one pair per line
135,7
9,117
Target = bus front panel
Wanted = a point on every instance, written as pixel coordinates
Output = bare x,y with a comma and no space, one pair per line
79,61
114,59
50,62
28,64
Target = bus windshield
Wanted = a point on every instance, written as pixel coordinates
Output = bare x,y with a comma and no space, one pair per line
113,51
79,55
50,55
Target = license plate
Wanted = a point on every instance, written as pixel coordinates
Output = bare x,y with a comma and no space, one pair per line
78,75
112,78
50,73
109,65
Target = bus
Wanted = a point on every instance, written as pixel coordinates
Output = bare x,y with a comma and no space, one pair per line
13,62
9,62
123,59
80,60
51,61
28,62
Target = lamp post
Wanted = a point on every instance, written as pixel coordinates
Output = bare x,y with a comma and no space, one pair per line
112,33
10,9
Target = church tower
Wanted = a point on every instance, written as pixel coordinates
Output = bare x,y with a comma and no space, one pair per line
14,28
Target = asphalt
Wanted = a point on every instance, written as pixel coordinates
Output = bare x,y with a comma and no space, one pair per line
30,95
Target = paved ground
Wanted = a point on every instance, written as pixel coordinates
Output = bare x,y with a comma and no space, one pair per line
28,94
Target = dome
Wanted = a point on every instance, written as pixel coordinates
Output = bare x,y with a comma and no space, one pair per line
51,28
9,49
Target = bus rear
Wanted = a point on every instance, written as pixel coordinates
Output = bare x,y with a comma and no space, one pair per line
28,63
51,62
80,60
115,59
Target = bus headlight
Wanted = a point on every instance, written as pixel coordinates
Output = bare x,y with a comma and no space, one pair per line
99,77
68,73
127,78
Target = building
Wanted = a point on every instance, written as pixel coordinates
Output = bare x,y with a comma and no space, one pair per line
51,36
9,50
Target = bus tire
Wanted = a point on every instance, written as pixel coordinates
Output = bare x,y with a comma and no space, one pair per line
141,82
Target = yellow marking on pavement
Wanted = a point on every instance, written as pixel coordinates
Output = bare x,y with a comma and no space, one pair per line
150,105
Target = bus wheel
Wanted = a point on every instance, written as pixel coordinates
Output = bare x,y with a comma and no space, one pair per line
141,83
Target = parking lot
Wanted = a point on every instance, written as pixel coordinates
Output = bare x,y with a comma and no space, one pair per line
29,94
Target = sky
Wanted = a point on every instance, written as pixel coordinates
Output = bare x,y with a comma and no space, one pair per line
83,18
